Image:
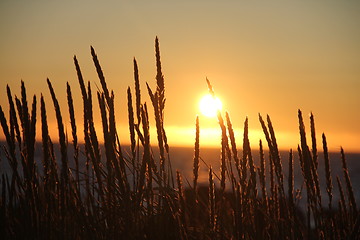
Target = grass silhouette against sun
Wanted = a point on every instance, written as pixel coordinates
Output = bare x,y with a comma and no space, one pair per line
138,195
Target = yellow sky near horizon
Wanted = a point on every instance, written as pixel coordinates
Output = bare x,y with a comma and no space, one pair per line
261,57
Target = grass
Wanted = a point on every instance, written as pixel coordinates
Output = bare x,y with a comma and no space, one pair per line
136,196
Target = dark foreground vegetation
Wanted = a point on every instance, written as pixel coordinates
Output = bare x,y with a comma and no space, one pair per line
139,196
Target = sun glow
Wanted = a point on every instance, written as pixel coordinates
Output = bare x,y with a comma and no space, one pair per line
209,105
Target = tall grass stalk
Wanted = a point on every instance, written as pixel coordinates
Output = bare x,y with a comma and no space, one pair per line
196,156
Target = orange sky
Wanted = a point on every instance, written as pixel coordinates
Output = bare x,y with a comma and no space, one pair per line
261,57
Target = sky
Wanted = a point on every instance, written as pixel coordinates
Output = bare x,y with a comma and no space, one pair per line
267,57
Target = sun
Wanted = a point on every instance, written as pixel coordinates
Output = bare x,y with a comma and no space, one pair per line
209,105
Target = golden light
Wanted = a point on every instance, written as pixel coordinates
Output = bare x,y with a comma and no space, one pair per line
209,105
